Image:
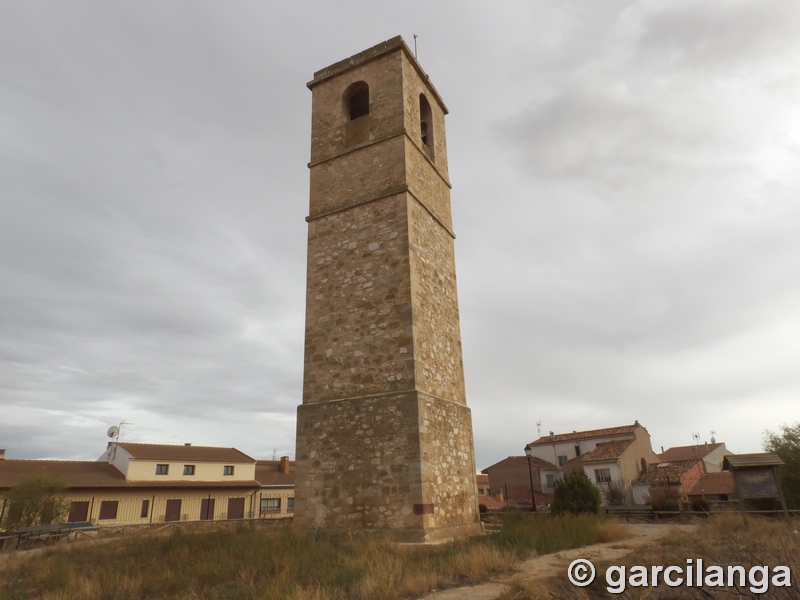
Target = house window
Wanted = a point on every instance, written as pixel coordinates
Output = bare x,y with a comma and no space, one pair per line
270,506
145,509
108,509
78,512
551,481
562,459
290,504
602,475
227,470
162,469
577,450
188,469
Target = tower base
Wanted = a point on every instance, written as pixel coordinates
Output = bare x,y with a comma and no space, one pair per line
397,461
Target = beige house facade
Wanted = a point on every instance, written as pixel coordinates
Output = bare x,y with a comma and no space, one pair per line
608,456
142,484
712,455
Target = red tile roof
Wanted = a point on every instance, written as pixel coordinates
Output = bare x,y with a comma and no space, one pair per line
607,451
185,453
671,472
586,435
688,452
492,502
94,474
535,462
268,473
713,483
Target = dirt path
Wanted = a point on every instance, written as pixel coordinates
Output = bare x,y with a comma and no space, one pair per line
553,565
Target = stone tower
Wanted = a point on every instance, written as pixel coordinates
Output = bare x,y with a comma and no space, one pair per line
384,435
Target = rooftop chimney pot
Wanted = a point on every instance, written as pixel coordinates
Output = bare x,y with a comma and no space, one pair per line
188,444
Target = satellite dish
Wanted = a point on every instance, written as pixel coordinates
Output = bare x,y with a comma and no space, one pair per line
113,431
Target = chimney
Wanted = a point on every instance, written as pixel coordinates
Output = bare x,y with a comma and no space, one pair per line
284,468
552,436
644,465
188,444
662,449
2,453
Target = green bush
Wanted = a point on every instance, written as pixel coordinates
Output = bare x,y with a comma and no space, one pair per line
664,497
576,494
35,501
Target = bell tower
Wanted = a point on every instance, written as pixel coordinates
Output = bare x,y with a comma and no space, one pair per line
384,435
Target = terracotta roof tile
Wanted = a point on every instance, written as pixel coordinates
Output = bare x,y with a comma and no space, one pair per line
585,435
492,502
535,461
72,472
607,451
666,472
688,452
185,453
713,483
94,474
268,473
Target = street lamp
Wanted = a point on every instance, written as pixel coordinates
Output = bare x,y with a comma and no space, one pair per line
530,474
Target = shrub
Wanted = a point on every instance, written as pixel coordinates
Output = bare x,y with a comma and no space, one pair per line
482,508
576,494
35,501
664,497
616,494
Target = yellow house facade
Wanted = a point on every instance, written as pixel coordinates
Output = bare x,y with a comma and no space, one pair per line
141,484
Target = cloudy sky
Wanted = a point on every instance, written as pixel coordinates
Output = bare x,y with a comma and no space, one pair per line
625,195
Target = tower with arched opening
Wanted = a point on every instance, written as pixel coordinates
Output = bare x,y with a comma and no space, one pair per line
384,435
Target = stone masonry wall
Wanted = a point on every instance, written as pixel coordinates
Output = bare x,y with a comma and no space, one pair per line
439,368
384,77
384,437
413,86
448,462
363,174
358,303
360,463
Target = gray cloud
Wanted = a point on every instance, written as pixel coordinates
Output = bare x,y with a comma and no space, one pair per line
624,183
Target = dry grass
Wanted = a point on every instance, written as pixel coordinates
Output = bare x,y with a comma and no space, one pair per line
282,564
612,531
523,589
721,540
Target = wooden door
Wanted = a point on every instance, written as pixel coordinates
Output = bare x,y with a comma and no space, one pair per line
236,508
207,509
173,512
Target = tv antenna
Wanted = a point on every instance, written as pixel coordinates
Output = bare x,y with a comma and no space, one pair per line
538,429
696,439
415,45
114,432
